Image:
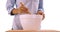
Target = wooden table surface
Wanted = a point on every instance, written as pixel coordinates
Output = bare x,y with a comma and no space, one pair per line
32,31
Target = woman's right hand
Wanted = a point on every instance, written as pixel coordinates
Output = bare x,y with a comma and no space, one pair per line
21,10
15,11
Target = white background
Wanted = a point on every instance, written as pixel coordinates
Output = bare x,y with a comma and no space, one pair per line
51,22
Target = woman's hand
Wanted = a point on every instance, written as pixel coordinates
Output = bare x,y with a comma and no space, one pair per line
15,11
41,13
23,9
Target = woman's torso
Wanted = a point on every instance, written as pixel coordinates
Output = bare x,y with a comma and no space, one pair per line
32,5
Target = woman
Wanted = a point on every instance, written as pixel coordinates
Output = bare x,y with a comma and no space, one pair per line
34,6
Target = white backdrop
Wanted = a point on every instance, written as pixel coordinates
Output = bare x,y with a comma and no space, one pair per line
51,22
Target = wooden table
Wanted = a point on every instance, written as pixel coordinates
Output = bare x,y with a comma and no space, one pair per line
32,31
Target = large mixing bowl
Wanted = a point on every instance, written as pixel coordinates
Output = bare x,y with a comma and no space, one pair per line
31,22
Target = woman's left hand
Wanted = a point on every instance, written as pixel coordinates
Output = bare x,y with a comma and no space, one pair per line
41,13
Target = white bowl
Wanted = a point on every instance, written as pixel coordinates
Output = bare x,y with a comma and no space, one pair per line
31,22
